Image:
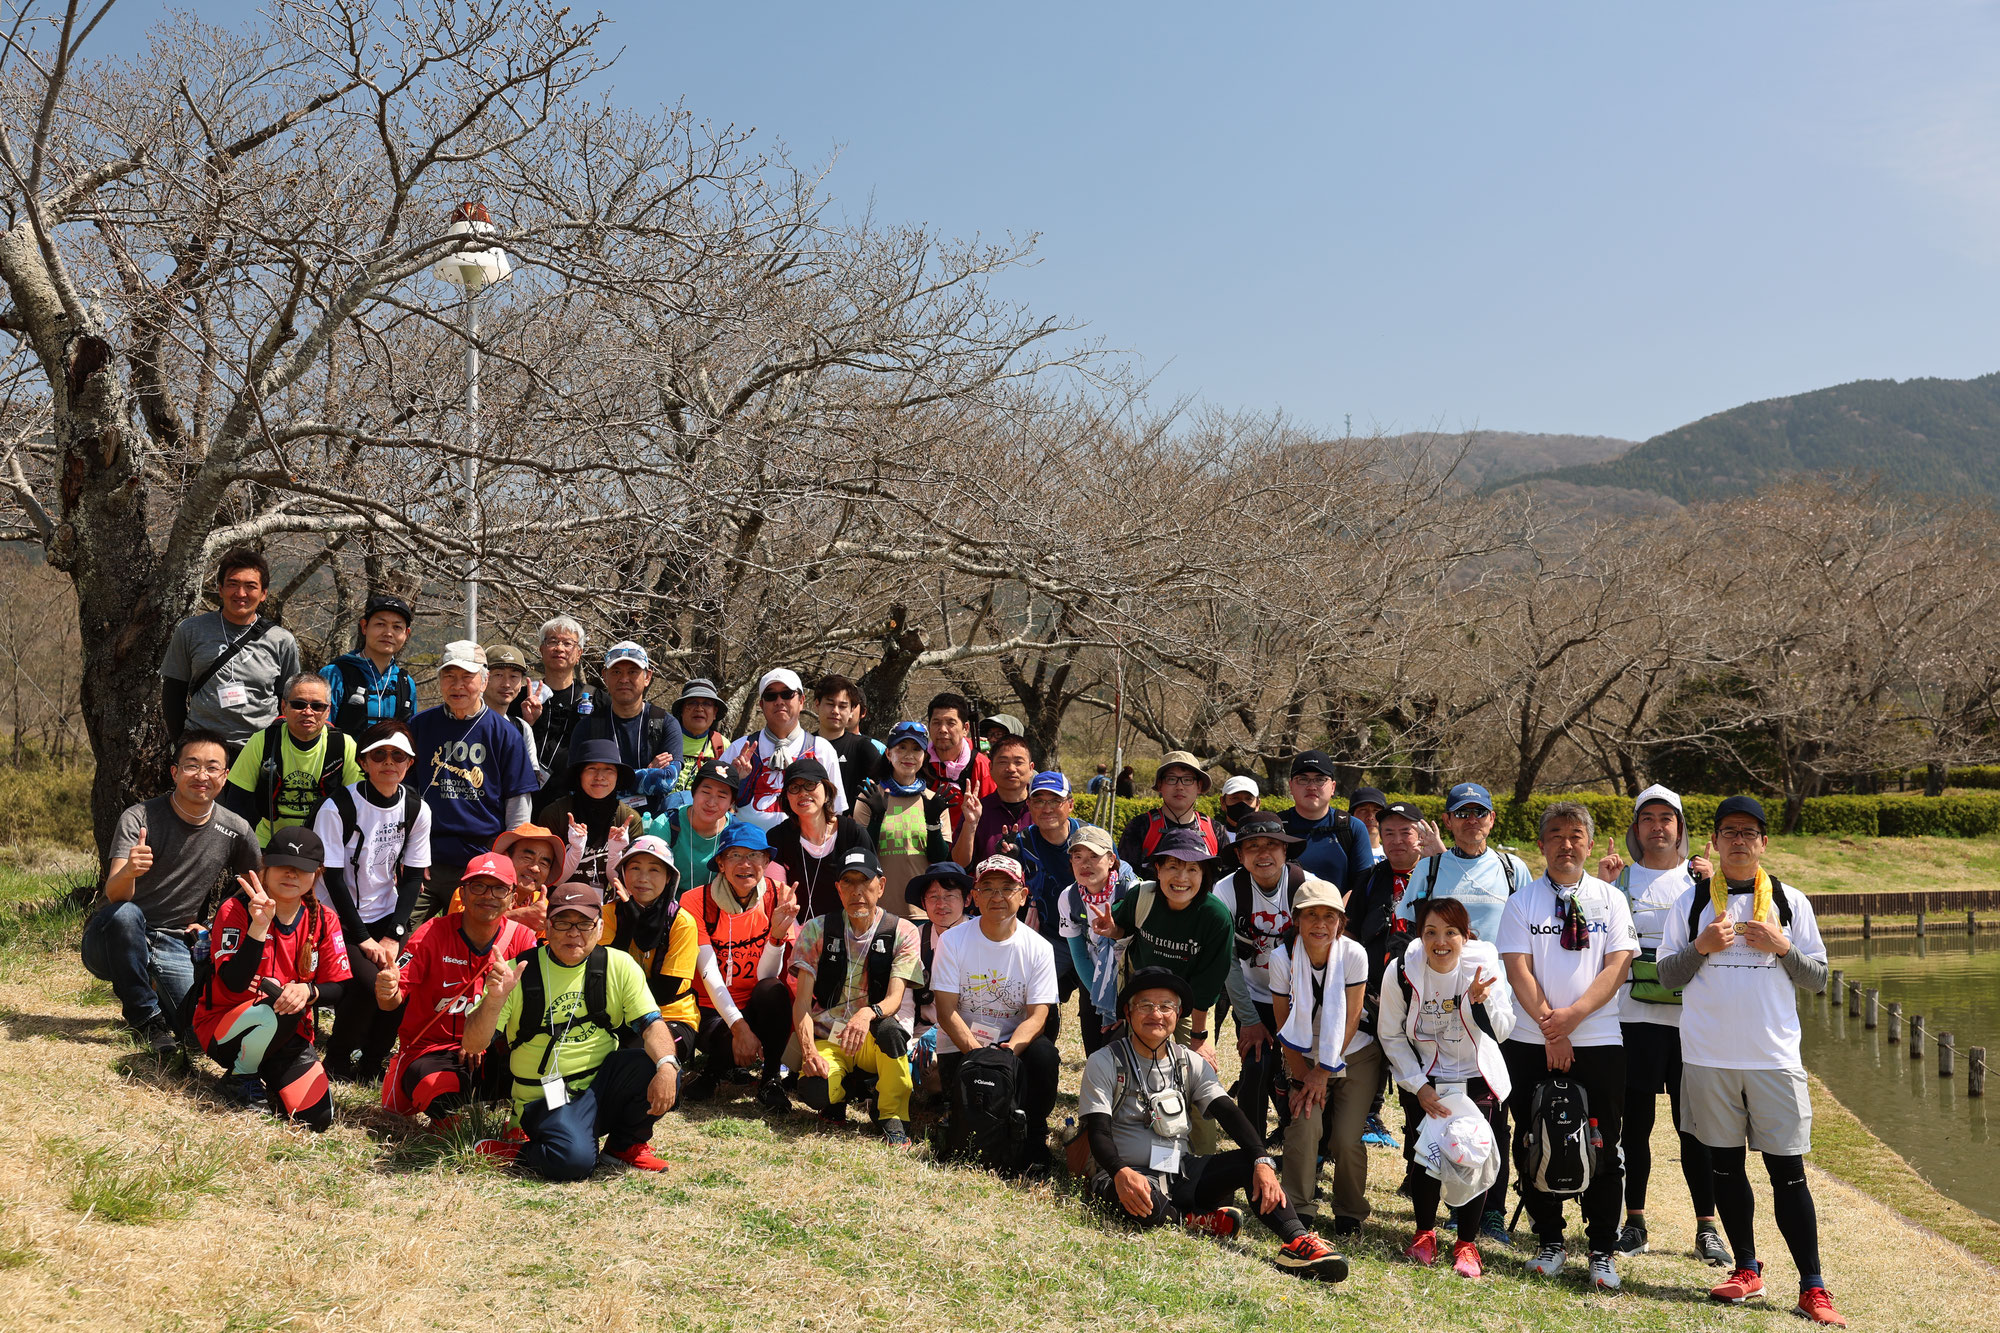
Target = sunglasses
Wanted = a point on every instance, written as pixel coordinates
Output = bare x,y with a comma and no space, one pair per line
308,705
777,696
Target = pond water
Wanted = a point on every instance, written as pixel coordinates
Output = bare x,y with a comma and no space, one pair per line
1954,982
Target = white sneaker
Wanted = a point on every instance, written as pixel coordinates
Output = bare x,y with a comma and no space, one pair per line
1603,1275
1548,1262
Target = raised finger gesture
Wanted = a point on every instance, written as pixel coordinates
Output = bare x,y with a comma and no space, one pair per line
262,905
1481,987
1609,864
1429,841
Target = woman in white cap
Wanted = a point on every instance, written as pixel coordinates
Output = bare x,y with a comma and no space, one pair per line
760,760
377,835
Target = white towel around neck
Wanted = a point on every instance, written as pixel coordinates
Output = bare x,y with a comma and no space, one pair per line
1297,1032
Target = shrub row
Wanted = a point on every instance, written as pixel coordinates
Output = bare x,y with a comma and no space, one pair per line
45,807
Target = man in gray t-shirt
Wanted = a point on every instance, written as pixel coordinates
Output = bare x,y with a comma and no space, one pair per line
240,697
172,859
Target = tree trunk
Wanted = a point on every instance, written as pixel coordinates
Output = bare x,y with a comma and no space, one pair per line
1934,779
882,684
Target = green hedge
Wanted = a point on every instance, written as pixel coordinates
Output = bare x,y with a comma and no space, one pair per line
1895,816
41,806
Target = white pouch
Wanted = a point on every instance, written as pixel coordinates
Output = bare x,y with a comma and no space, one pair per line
1459,1150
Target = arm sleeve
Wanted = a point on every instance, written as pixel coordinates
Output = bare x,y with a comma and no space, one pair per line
1080,959
335,879
718,994
1097,1128
238,971
1677,969
1230,1117
174,704
409,883
1807,972
518,808
329,993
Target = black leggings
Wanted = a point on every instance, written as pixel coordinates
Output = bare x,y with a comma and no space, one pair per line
363,1031
768,1011
1263,1073
1203,1185
1426,1189
1653,1060
1791,1201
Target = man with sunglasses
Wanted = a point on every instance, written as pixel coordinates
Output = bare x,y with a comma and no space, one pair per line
759,761
1567,940
289,767
169,857
1336,846
1481,877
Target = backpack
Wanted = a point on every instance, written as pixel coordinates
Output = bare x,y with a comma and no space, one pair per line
1517,875
350,816
350,706
1156,827
1149,893
1778,901
1646,987
990,1122
683,985
535,1004
832,973
1560,1143
1246,932
270,770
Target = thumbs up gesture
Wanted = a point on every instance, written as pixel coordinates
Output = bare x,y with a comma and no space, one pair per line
140,858
1609,864
1703,867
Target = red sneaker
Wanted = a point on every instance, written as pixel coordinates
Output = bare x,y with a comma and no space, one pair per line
1465,1260
1423,1248
1740,1286
1816,1305
514,1134
500,1150
1311,1258
1221,1224
641,1157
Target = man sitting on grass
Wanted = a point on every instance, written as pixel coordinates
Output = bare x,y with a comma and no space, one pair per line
445,969
277,955
856,972
1137,1107
561,1011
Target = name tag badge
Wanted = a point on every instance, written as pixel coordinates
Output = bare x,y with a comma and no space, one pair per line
554,1091
233,696
989,1033
1167,1158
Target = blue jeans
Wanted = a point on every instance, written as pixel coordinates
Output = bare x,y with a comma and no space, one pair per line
150,971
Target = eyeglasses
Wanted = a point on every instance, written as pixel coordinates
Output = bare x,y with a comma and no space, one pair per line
571,925
309,705
1312,779
779,696
1739,834
243,585
1177,780
558,641
197,770
388,755
485,888
1165,1008
1473,813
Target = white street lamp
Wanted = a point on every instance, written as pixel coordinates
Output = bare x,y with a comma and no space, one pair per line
472,271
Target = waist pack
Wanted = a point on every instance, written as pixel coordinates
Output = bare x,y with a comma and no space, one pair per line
992,1126
1559,1149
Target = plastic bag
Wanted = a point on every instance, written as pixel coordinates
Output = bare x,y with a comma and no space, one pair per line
1459,1150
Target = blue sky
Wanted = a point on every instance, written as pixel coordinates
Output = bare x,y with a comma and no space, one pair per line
1602,219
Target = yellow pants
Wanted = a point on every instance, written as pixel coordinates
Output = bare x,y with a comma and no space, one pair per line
892,1076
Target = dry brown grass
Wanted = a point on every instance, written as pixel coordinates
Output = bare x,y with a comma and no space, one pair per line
755,1227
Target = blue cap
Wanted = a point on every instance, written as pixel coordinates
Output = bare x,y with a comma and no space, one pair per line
1467,793
627,651
738,833
1054,780
910,731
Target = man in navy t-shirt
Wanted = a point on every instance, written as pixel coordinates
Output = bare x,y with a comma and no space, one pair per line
472,771
1329,834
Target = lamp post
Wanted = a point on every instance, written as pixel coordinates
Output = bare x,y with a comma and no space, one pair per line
472,271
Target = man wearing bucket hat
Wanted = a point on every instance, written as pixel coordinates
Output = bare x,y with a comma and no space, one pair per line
647,735
702,715
1337,847
1181,781
1138,1101
1649,1016
760,759
745,926
471,769
377,837
562,1011
1740,946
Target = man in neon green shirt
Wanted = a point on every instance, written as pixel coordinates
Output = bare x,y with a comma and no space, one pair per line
301,772
584,1088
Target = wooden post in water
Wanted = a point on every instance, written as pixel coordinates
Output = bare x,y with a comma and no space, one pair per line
1833,991
1920,923
1870,1019
1854,999
1895,1021
1971,924
1864,925
1975,1072
1916,1036
1944,1054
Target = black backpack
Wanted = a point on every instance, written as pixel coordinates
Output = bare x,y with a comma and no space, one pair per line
1559,1149
832,973
991,1124
350,706
350,817
535,1004
1246,930
271,768
1778,901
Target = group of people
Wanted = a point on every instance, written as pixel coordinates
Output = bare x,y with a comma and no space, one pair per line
593,908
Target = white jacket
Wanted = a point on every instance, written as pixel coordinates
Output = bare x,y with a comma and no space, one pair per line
1412,1057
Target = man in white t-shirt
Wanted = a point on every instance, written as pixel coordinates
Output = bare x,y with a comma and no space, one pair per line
1567,941
759,760
1649,1016
994,982
1259,898
1479,876
1318,986
1742,1079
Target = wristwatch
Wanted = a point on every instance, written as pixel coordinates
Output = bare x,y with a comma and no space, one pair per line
668,1059
1265,1161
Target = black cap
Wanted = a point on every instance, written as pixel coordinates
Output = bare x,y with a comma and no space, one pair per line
388,601
716,770
298,847
938,872
1155,978
1403,810
1263,824
810,769
1742,805
860,858
1367,796
1312,761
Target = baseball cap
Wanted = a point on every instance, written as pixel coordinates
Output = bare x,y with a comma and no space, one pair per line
1004,865
863,860
909,731
388,601
1315,892
1011,723
1312,761
714,770
463,654
1095,838
395,740
1053,780
576,896
1367,796
1467,794
490,865
1403,810
784,676
1263,824
627,651
1238,784
1735,805
298,847
505,654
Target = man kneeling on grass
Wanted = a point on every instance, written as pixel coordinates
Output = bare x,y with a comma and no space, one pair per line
277,955
857,969
1137,1107
561,1012
447,965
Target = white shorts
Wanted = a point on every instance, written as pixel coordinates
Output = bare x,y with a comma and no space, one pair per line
1769,1109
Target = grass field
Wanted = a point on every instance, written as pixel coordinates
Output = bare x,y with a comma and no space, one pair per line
129,1198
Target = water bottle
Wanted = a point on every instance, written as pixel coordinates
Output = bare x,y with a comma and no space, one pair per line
1596,1137
584,707
198,948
